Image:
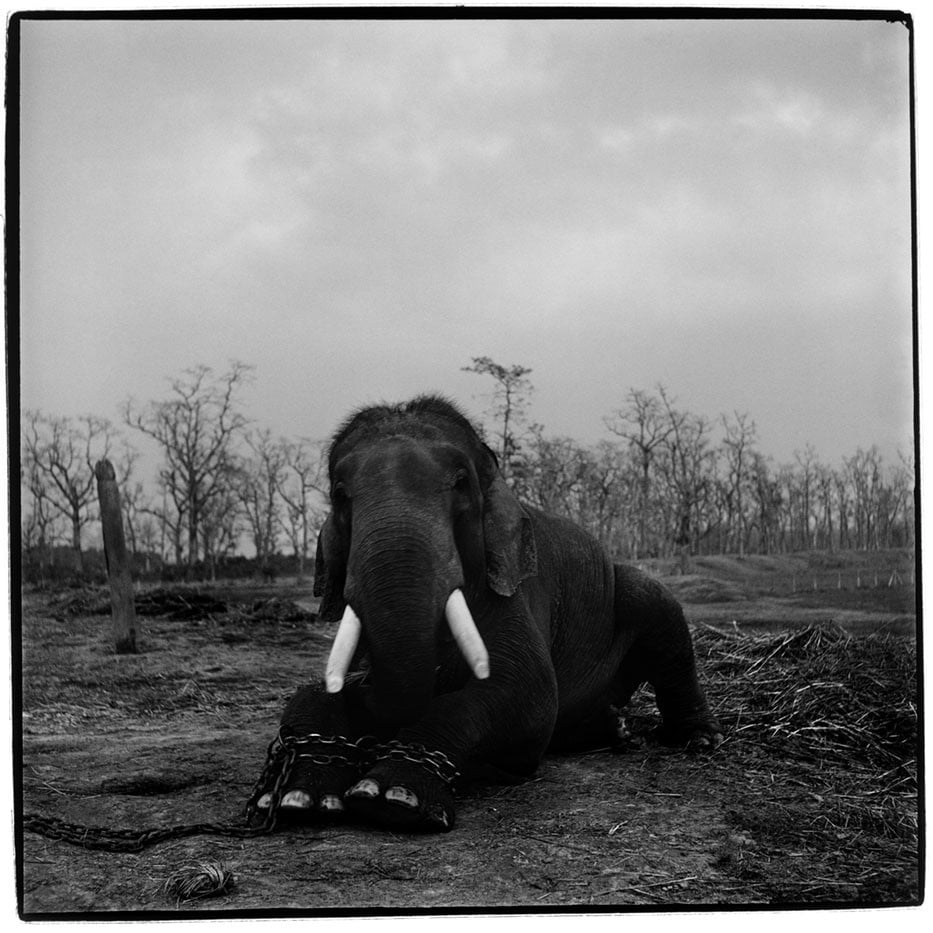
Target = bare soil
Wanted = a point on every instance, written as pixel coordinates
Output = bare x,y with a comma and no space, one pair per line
802,805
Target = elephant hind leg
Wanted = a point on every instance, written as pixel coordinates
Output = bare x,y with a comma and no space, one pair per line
686,719
603,726
662,655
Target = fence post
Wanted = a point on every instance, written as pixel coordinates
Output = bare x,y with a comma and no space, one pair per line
122,605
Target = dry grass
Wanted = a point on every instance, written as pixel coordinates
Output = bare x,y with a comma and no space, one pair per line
812,799
851,700
840,714
180,604
197,881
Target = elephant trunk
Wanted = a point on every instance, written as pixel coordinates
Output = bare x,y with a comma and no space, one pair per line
458,617
395,576
401,586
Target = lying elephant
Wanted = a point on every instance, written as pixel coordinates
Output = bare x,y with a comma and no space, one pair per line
474,631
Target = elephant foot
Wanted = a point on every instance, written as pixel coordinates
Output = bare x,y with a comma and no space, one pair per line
301,806
322,770
704,740
694,737
406,794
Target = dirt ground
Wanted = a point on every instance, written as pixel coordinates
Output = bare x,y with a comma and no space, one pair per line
178,734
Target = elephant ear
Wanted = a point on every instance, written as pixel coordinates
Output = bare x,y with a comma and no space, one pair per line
329,575
511,552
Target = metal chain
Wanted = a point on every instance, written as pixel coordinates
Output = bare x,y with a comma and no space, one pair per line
285,750
281,755
278,766
280,759
344,752
436,762
127,840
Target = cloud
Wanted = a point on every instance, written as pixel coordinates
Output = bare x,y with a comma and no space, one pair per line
360,206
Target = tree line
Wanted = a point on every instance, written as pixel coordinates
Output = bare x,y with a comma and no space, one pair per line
667,481
663,481
221,480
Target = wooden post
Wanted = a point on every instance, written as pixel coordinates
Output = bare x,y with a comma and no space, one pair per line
122,605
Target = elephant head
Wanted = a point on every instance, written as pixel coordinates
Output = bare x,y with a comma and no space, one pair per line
422,527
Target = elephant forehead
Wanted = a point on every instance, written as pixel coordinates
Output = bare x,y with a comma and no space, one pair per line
403,460
428,419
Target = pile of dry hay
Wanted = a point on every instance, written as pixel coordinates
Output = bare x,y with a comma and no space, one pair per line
273,609
180,605
843,706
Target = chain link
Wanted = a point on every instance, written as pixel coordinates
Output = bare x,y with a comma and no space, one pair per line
330,750
436,762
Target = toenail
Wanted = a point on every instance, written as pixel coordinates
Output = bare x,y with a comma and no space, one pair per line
439,815
403,796
331,802
264,802
365,788
297,800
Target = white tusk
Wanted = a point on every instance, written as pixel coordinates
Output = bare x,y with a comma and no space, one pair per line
341,652
466,635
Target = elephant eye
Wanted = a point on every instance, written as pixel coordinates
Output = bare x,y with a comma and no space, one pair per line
461,481
339,494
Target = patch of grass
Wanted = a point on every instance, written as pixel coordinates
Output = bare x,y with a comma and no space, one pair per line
841,712
830,695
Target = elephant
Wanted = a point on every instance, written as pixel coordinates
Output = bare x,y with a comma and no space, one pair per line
475,633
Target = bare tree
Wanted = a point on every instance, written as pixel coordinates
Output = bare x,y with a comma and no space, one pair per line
768,501
806,495
304,474
40,524
610,489
221,525
864,474
825,496
902,500
256,480
554,473
842,508
63,454
132,495
170,514
686,468
644,424
147,538
510,397
738,445
196,427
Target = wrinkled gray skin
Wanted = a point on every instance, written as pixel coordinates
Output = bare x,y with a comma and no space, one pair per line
419,509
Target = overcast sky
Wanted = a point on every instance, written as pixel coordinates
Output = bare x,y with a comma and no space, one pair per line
358,208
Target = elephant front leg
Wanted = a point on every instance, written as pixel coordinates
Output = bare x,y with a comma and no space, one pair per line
320,748
505,721
408,787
